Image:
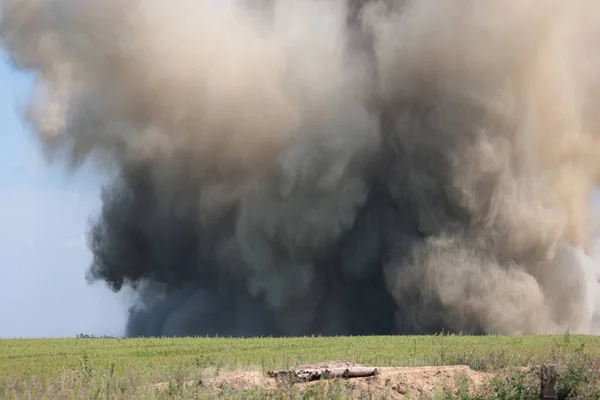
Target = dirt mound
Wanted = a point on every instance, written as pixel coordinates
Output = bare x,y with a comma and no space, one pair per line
412,382
390,382
396,383
242,380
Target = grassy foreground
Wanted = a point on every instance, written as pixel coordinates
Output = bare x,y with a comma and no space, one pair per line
117,368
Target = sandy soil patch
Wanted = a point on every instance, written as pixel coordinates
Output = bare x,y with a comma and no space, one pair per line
392,382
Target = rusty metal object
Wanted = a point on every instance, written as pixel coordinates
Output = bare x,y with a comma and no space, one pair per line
307,375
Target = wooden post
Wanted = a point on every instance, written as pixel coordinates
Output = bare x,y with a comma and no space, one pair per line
548,382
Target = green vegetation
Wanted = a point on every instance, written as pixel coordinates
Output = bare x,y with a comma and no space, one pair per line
125,368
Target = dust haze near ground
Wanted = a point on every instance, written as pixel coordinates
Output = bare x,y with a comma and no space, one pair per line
293,167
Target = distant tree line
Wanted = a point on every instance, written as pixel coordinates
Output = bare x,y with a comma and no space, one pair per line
86,336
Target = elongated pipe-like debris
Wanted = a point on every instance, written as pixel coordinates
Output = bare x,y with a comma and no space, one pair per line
304,375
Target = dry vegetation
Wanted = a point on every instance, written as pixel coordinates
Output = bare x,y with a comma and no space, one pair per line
426,367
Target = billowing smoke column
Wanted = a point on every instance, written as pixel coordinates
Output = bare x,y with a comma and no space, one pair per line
291,167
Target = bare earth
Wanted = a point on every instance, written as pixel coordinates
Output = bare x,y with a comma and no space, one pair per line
393,383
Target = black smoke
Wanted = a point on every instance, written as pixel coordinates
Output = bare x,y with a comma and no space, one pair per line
292,167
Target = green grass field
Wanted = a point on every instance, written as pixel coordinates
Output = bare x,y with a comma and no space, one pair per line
34,368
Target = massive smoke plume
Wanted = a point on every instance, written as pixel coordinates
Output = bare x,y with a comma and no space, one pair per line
290,167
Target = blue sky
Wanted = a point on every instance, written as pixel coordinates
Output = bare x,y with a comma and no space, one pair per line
44,213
